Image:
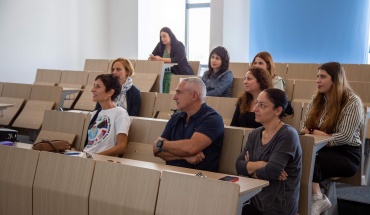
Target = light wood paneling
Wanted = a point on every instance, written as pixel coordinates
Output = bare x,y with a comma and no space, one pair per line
17,168
187,194
134,193
10,113
62,184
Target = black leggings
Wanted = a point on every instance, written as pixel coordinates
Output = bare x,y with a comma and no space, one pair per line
336,161
249,209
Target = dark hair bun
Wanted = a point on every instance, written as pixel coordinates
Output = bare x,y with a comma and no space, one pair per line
289,109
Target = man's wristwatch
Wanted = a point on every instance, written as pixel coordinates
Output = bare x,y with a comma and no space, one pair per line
159,145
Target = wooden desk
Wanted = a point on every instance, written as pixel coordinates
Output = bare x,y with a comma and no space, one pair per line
4,106
165,66
248,186
67,91
310,145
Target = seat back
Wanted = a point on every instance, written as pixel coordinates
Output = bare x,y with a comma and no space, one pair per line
63,122
175,80
180,194
1,87
295,120
362,89
143,132
231,148
96,65
144,81
238,69
17,168
306,71
15,90
163,105
304,89
47,93
289,88
238,87
357,72
195,66
281,70
134,193
156,67
49,77
32,114
75,80
147,104
62,184
10,113
224,106
308,163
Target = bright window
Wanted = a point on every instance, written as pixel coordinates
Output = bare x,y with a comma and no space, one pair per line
198,30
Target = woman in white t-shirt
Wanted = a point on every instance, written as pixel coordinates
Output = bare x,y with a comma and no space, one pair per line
108,129
264,60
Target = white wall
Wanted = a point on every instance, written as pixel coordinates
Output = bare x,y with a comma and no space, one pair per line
230,27
56,34
123,29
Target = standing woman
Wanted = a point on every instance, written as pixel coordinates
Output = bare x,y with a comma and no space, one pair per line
273,153
256,80
340,157
108,129
129,98
264,60
170,50
218,78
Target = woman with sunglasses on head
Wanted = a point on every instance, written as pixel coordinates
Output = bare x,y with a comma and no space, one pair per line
218,78
129,98
108,129
273,153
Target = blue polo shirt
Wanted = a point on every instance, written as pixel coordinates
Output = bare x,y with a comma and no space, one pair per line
206,121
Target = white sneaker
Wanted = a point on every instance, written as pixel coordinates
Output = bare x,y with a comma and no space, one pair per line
319,204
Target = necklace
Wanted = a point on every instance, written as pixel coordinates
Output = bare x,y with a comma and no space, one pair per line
265,135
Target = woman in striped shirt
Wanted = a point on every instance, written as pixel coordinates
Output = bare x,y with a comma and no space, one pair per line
334,111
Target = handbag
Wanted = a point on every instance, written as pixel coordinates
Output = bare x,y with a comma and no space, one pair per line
52,145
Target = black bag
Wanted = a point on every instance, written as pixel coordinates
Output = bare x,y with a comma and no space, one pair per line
8,135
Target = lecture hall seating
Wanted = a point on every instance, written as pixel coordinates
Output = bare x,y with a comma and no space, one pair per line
48,77
17,168
134,193
183,194
62,184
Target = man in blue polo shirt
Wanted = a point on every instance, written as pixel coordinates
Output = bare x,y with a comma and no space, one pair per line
193,137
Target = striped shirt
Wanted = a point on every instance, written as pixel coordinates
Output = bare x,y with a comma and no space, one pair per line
348,128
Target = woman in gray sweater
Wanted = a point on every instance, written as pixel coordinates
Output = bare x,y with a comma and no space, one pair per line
273,152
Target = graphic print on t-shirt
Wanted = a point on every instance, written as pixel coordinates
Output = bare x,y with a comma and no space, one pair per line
99,131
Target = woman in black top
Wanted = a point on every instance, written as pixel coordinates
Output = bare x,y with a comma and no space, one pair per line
256,80
170,50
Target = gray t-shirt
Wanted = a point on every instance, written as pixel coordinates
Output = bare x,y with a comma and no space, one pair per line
283,152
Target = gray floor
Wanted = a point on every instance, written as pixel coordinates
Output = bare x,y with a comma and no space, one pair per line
359,194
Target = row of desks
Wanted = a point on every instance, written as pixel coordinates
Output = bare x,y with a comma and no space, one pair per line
248,187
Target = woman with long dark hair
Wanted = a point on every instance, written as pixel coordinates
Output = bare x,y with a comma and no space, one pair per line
170,50
334,111
218,78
